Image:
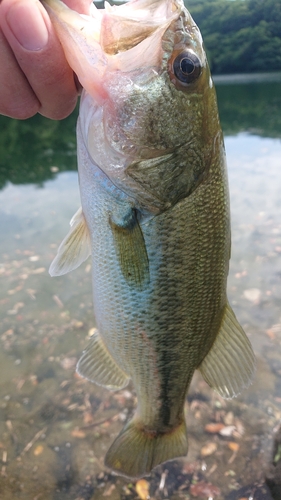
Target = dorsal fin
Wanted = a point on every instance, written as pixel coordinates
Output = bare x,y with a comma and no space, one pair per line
230,364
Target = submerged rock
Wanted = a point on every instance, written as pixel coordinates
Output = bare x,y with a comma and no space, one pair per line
273,475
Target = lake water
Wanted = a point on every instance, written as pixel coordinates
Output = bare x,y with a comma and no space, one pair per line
56,427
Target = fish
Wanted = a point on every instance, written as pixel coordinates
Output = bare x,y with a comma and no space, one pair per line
155,218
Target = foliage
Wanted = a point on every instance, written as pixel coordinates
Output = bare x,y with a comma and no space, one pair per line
30,148
240,36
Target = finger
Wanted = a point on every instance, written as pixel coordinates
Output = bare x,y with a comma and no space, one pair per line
81,6
28,30
17,99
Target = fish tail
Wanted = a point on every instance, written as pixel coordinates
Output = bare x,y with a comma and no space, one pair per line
136,451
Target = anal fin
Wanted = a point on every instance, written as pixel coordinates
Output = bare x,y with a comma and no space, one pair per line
230,364
97,365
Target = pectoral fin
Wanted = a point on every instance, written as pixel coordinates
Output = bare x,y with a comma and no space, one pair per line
97,365
75,247
131,249
230,364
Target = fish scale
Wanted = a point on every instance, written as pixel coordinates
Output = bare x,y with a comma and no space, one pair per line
155,217
167,296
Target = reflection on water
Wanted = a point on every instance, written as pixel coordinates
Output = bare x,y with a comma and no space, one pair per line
251,107
244,78
31,149
55,427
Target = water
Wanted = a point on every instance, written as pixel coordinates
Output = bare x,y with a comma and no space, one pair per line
54,426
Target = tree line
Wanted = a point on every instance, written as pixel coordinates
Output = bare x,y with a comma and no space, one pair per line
240,36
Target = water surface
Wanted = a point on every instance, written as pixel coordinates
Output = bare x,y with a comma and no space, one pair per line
56,427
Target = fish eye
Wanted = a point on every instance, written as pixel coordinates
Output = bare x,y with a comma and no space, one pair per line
187,67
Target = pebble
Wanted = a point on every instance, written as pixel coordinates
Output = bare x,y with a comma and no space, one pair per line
208,449
142,489
253,295
38,450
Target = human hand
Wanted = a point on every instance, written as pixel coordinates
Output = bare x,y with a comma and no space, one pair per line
34,74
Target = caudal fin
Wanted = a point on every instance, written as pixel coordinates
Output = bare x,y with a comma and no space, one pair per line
135,452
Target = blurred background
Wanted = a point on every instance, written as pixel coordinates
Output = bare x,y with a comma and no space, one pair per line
56,427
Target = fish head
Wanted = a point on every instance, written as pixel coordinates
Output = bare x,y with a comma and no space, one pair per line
157,87
149,97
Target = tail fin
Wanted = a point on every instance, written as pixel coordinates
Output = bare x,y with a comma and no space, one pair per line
135,452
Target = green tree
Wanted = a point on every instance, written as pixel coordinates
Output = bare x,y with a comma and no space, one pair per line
241,35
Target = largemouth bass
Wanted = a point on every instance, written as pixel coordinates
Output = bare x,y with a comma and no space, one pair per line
154,216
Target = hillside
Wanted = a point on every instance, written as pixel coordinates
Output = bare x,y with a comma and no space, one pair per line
240,36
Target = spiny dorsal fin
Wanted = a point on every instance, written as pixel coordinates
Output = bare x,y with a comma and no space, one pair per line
75,247
97,365
131,249
230,364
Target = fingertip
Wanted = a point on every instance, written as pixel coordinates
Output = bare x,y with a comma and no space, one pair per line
60,112
81,6
27,25
23,112
47,82
34,72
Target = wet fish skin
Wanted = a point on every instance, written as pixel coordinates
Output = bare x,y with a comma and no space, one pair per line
155,208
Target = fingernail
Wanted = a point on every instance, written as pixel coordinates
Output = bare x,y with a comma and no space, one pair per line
27,25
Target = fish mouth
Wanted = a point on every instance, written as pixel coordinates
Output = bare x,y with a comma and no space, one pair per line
118,38
126,26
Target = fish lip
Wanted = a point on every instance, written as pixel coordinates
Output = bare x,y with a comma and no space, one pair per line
144,22
87,32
